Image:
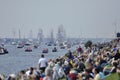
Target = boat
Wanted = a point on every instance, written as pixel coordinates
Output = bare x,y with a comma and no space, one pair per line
49,44
62,47
67,44
28,49
55,44
35,46
3,50
20,46
54,49
28,43
45,50
13,43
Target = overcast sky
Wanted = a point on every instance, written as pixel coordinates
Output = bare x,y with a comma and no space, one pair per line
80,18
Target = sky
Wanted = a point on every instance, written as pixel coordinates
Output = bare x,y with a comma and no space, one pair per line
80,18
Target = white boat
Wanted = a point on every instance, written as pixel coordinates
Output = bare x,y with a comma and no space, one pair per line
14,43
3,50
20,46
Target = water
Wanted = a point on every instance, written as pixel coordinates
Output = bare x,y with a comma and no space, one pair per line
18,59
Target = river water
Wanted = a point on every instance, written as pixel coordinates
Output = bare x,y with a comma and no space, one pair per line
18,59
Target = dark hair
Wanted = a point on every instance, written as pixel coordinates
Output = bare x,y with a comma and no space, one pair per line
10,78
97,70
23,72
87,70
42,55
31,70
115,64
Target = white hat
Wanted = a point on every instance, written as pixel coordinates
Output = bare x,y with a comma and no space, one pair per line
12,75
66,63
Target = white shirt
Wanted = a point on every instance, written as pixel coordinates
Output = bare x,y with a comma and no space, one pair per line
27,73
42,62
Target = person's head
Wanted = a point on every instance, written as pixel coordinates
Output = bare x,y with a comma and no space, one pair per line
49,60
42,55
96,70
31,68
22,72
90,66
12,77
76,65
115,64
87,71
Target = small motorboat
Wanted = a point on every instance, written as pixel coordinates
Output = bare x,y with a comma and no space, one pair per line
14,43
28,44
36,46
54,49
3,51
49,44
20,46
45,50
28,49
55,44
62,47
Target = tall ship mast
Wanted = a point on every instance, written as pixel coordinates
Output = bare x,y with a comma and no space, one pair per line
40,36
19,34
61,35
14,34
51,37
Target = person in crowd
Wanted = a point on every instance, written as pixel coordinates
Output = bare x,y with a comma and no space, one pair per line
66,68
22,75
42,63
79,50
49,73
61,71
117,55
86,75
113,69
12,77
96,74
55,71
72,75
69,54
2,77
